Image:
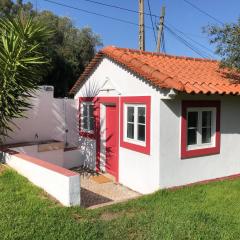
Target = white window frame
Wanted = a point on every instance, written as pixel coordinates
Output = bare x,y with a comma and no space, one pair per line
199,144
87,130
135,140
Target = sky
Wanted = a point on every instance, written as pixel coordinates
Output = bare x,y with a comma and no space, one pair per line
180,17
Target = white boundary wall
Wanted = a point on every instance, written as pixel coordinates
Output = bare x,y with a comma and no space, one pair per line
67,159
54,156
62,184
49,118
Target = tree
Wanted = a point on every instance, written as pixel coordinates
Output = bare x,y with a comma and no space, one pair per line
21,58
70,48
8,7
227,41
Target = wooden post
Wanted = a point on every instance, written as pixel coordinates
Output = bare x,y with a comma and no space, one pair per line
141,26
160,29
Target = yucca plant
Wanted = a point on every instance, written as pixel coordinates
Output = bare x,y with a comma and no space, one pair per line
21,66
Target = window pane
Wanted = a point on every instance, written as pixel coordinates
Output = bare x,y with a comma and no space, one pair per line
130,130
192,128
91,110
192,119
91,126
192,136
85,110
141,132
130,114
206,118
141,114
206,135
85,123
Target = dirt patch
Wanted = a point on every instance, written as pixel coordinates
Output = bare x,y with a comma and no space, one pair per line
77,217
2,168
108,216
89,198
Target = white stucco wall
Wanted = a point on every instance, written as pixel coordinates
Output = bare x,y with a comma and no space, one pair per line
67,159
48,119
173,170
72,158
54,156
163,167
138,171
65,188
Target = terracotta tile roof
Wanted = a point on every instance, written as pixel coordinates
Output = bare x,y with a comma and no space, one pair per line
185,74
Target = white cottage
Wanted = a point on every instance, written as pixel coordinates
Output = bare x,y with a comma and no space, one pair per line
156,121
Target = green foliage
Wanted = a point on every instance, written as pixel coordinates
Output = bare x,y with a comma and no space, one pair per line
227,41
8,7
21,58
70,49
209,212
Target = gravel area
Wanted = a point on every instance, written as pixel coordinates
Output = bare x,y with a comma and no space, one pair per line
95,194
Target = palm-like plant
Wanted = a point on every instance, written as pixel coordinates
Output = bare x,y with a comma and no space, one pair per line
21,58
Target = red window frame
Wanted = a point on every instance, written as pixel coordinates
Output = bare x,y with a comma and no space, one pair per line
146,100
185,153
81,132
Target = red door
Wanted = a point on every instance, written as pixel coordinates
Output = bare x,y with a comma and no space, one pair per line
111,140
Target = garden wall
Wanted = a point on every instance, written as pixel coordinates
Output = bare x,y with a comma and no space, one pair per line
62,184
49,118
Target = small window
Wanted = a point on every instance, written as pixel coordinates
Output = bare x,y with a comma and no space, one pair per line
87,117
135,124
201,127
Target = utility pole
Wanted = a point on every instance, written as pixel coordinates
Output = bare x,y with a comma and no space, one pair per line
141,25
160,29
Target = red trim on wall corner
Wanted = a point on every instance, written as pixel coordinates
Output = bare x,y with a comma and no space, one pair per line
205,151
141,100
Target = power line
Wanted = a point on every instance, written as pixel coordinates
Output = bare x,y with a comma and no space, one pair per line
204,12
187,44
186,33
181,39
118,7
199,44
113,18
94,13
149,8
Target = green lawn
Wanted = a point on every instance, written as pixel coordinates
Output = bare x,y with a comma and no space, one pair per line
199,212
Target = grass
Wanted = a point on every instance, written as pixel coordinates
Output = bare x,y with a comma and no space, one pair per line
209,211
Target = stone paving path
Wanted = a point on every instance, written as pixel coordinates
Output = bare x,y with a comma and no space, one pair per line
94,195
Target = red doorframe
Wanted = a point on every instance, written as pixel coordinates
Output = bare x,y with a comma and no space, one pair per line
106,100
111,140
